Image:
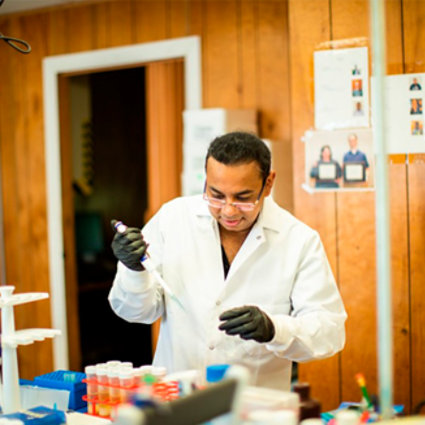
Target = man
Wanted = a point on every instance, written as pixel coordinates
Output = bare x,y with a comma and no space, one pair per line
255,284
354,155
415,85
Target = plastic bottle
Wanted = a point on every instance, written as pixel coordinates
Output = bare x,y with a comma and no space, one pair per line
309,408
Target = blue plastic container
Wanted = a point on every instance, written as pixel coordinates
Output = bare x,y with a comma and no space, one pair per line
66,380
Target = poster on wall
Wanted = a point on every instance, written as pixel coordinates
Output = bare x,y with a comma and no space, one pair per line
341,88
339,160
404,113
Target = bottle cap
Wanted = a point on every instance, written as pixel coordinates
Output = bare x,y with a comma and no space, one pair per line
273,417
159,371
303,389
149,379
90,370
347,417
216,372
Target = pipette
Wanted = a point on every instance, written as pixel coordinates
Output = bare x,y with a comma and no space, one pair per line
148,264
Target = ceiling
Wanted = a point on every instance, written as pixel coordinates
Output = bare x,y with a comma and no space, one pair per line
14,6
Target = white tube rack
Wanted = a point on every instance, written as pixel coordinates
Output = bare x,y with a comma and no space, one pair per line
11,339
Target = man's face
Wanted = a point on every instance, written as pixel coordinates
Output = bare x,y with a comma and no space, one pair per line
352,142
236,183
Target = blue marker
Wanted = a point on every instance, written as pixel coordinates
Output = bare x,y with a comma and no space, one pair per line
150,267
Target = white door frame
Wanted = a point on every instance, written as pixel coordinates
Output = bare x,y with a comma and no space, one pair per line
187,48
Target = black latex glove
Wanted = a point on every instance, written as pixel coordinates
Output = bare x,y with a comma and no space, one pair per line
249,322
129,247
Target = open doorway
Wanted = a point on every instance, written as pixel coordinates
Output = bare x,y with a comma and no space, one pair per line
164,130
108,129
121,156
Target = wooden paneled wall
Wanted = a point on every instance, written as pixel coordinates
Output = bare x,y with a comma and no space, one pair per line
346,221
244,46
255,54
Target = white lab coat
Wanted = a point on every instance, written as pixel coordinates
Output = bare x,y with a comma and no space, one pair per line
281,268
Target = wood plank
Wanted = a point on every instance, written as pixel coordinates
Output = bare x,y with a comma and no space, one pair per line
177,18
414,43
399,229
21,275
57,32
248,29
7,162
164,107
145,14
81,18
221,71
272,65
183,18
356,242
121,23
417,276
101,25
31,257
309,25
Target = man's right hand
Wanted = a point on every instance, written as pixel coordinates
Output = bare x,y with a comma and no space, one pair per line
129,247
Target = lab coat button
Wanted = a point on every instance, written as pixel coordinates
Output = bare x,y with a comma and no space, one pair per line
218,302
211,347
258,237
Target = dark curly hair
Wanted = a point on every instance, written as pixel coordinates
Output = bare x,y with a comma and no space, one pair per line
240,148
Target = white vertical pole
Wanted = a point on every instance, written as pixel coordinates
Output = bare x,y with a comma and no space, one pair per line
11,396
384,301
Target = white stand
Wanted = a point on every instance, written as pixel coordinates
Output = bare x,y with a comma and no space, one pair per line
10,339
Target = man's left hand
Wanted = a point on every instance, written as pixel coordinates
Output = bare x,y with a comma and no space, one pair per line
249,322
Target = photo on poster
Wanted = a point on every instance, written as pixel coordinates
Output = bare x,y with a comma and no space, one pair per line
339,159
417,128
358,109
403,113
340,78
416,106
357,87
415,83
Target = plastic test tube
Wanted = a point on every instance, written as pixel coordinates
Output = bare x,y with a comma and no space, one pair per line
90,372
103,391
114,383
159,372
126,383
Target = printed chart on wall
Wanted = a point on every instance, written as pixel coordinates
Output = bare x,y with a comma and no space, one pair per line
404,113
339,160
341,88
